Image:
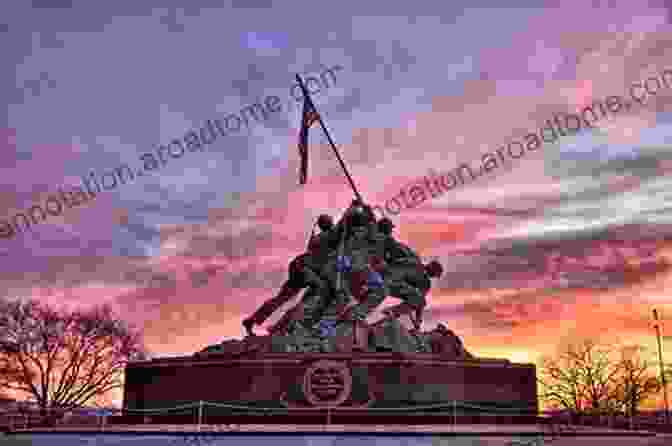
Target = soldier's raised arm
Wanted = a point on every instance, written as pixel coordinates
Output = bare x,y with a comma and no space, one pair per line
395,251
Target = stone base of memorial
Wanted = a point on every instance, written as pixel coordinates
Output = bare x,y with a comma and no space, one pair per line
251,381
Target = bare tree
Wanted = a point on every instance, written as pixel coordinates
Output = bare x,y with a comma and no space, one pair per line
590,377
637,380
581,378
64,359
560,383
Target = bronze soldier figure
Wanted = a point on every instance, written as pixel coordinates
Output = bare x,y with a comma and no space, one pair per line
364,253
356,224
303,273
406,277
411,284
395,251
294,314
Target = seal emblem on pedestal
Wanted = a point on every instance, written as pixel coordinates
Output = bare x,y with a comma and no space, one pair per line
327,383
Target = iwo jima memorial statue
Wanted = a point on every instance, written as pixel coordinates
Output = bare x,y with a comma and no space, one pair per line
323,353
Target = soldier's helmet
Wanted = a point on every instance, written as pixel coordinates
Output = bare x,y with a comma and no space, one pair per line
385,226
325,222
434,269
359,216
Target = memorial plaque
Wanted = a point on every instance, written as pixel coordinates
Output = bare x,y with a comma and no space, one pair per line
327,383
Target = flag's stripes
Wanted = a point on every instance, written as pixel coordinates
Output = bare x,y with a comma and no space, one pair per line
308,117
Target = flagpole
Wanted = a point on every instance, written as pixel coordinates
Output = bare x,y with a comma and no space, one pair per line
662,367
312,233
331,142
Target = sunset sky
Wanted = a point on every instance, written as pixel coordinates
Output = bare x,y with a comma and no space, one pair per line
572,239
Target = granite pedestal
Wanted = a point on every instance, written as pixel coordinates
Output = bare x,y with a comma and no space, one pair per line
364,384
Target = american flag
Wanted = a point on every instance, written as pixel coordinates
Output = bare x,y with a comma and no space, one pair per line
309,117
